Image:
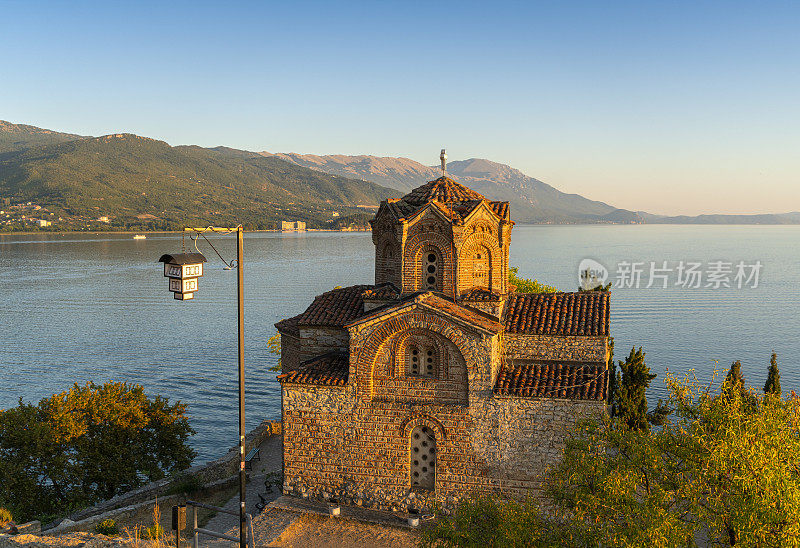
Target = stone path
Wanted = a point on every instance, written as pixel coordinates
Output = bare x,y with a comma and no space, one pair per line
290,522
271,461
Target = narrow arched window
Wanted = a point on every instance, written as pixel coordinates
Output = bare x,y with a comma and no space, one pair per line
481,268
421,360
431,271
423,458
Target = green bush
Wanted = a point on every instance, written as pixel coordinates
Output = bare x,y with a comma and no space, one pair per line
88,444
185,484
5,517
526,285
488,523
154,532
107,527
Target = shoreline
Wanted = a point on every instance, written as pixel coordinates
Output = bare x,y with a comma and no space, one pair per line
95,233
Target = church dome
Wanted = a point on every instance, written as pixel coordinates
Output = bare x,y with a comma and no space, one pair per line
444,190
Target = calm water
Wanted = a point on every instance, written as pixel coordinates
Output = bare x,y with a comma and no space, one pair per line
80,308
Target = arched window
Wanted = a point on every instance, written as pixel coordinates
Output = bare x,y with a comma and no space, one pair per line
481,268
431,271
421,359
423,458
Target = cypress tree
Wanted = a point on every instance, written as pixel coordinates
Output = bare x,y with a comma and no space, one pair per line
773,384
612,375
734,381
630,403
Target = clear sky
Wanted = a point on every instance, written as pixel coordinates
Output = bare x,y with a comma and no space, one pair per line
667,107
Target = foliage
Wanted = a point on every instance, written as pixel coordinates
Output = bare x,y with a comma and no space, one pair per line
630,399
5,517
485,522
154,532
274,346
88,444
526,285
613,377
107,527
185,484
719,468
773,384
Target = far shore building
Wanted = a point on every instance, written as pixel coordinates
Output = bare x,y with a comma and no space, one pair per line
293,226
439,380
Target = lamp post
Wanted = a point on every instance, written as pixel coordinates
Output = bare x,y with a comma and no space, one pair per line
183,271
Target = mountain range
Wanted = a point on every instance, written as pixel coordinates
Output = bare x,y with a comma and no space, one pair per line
141,182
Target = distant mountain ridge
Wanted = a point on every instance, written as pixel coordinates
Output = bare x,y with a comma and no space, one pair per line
136,181
531,199
91,174
20,136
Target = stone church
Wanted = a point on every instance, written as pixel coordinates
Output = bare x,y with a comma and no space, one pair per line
439,380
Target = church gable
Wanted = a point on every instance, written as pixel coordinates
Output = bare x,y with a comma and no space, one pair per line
423,346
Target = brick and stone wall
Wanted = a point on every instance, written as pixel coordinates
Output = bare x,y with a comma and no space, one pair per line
359,453
353,442
315,341
549,347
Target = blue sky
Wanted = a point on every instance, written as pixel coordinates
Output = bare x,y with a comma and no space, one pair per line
668,107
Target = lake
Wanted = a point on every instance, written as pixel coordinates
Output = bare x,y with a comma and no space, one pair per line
78,308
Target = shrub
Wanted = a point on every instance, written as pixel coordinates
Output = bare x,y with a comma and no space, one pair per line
526,285
88,444
487,522
5,517
185,484
107,527
154,532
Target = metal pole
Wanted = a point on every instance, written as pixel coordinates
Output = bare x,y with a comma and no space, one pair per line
240,284
195,536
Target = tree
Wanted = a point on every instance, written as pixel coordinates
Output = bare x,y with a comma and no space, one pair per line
718,469
773,384
274,346
88,444
526,285
630,399
612,372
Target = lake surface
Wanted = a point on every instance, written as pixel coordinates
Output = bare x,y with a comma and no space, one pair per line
78,308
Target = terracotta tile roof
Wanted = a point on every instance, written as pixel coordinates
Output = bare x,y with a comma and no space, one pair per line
487,322
442,189
427,299
335,308
480,294
581,381
330,369
289,325
500,208
585,314
384,291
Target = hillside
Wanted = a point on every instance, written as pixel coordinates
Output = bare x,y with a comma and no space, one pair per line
141,182
21,136
531,200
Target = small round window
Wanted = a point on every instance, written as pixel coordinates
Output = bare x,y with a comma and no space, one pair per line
430,272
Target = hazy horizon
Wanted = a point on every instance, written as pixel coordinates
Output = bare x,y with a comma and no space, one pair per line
685,108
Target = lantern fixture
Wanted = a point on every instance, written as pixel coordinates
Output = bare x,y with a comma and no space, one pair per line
183,270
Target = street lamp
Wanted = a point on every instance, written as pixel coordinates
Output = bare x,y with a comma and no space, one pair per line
183,271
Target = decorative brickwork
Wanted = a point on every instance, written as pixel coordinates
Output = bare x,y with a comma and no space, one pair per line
395,397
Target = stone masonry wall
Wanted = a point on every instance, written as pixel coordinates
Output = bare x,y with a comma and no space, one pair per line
359,453
545,347
315,341
353,443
